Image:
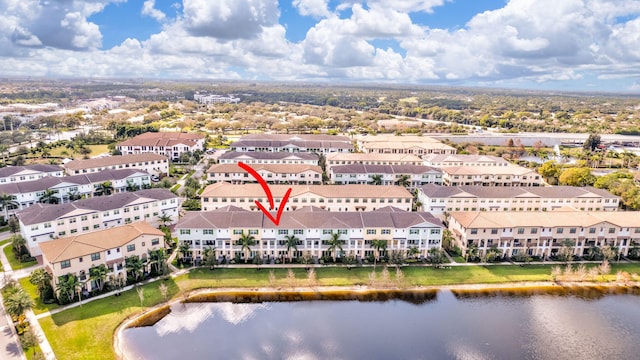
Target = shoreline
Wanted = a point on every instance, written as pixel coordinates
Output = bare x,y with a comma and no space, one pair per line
470,289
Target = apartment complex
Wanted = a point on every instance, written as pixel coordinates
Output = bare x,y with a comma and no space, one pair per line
77,254
404,144
545,233
271,173
328,197
67,188
411,175
335,159
510,175
450,160
151,163
267,157
169,144
44,222
312,227
440,199
215,99
321,144
16,174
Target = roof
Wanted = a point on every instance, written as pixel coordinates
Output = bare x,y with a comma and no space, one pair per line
463,158
552,192
296,137
162,139
267,155
273,168
561,218
382,169
82,179
225,189
89,243
39,213
306,218
112,160
397,138
487,170
400,144
355,157
12,170
308,144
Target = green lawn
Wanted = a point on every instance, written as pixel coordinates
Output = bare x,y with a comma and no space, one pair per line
39,307
62,151
15,263
86,332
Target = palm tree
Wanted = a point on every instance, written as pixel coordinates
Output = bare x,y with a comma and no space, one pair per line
404,180
413,251
74,195
378,246
68,285
18,243
292,244
134,266
41,279
334,244
106,188
246,241
17,303
49,197
184,249
7,203
164,219
131,186
376,179
99,275
157,258
210,257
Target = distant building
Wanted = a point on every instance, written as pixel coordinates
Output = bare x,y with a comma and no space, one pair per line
414,175
152,163
334,159
511,175
169,144
294,174
215,99
15,174
450,160
390,144
321,144
268,157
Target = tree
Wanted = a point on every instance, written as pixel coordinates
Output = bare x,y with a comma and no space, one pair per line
413,251
577,176
68,286
14,225
376,179
551,171
106,188
210,257
378,246
334,244
246,241
98,274
131,186
7,203
184,250
134,266
565,253
164,219
404,180
592,142
436,256
42,280
49,197
18,243
157,258
17,302
292,244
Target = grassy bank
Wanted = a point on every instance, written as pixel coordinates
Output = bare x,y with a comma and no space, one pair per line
15,263
85,332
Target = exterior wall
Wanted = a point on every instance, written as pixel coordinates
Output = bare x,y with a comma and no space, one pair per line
90,220
28,175
306,177
387,179
490,179
155,167
173,152
116,258
291,149
313,242
415,150
270,161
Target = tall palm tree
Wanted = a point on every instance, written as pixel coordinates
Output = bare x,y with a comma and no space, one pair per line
378,246
376,179
157,258
135,266
184,249
413,251
18,243
106,188
404,180
17,303
246,241
49,197
68,285
7,203
334,244
41,279
164,219
292,244
210,257
99,275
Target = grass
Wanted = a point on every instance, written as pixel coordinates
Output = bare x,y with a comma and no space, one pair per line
39,307
459,259
86,332
15,263
95,151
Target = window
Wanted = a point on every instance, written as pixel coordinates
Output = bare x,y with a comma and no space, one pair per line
185,231
131,247
253,232
83,218
95,256
572,230
494,231
435,231
386,231
474,231
298,231
72,220
328,231
414,231
62,233
155,241
520,230
207,232
85,228
559,230
237,231
592,230
283,231
371,231
612,230
534,230
65,264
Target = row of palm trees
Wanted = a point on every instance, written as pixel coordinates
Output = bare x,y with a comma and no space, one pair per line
403,180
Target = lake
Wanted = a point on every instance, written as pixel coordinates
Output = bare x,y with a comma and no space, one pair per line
533,324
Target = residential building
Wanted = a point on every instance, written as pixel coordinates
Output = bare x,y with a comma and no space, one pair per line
440,199
409,144
511,175
44,222
215,99
313,227
328,197
169,144
267,157
449,160
544,233
334,159
110,247
271,173
293,143
16,174
412,175
67,188
151,163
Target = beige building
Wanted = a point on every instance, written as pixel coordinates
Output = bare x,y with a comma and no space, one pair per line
328,197
545,233
268,157
335,159
449,160
312,227
151,163
16,174
169,144
271,173
293,143
440,199
409,144
511,175
77,254
412,175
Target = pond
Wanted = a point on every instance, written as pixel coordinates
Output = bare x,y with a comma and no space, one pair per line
542,324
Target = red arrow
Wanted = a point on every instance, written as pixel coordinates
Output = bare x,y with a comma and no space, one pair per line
267,191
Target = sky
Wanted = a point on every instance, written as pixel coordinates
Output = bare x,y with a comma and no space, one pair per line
574,45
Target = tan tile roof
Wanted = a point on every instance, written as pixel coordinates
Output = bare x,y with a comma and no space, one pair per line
488,170
463,158
162,139
273,168
112,160
397,138
489,192
373,157
406,145
224,189
86,244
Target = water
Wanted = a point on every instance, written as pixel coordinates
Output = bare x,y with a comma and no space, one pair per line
476,325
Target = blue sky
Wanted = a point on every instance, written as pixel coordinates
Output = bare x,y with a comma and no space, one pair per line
539,44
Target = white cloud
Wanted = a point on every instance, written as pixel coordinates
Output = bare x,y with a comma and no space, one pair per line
148,9
405,6
315,8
